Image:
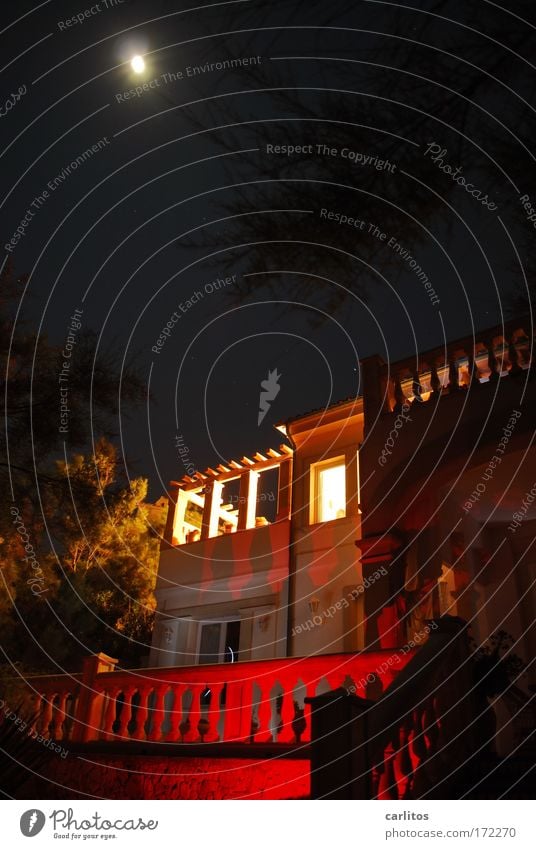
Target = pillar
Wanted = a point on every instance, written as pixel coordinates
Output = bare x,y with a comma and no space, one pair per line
247,501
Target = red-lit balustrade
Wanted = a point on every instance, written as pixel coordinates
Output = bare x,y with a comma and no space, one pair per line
247,702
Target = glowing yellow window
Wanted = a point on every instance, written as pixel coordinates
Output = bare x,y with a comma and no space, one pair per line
328,490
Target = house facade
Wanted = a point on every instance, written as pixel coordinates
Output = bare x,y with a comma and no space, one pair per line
256,549
339,572
376,514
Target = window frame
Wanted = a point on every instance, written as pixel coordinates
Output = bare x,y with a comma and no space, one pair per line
315,470
221,621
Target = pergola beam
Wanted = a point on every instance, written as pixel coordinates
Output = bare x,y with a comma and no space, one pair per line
234,470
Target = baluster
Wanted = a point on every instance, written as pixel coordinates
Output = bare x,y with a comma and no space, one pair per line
431,728
386,393
404,760
109,715
59,718
391,781
288,712
47,716
435,383
194,714
515,368
409,793
299,724
398,763
54,717
27,707
454,384
376,773
523,351
400,398
166,728
473,372
95,704
157,714
307,715
502,358
418,743
68,722
35,713
417,388
264,731
126,712
79,715
242,711
387,785
232,724
142,714
177,714
492,361
213,713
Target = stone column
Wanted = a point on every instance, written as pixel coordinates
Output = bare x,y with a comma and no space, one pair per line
247,507
170,520
209,526
284,494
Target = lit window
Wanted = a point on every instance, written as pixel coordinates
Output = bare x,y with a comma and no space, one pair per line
328,490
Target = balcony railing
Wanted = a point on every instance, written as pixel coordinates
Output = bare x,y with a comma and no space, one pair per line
420,739
488,356
247,702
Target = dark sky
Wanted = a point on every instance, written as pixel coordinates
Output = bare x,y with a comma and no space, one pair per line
135,231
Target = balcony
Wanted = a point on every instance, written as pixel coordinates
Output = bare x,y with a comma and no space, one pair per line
250,555
230,498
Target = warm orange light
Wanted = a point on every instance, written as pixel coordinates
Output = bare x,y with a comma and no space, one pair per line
331,493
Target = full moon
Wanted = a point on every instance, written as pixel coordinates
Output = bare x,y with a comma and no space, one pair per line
138,64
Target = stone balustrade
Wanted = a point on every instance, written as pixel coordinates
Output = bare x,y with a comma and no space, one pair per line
418,737
488,356
245,702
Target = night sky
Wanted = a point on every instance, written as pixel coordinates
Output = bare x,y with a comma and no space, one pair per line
188,208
